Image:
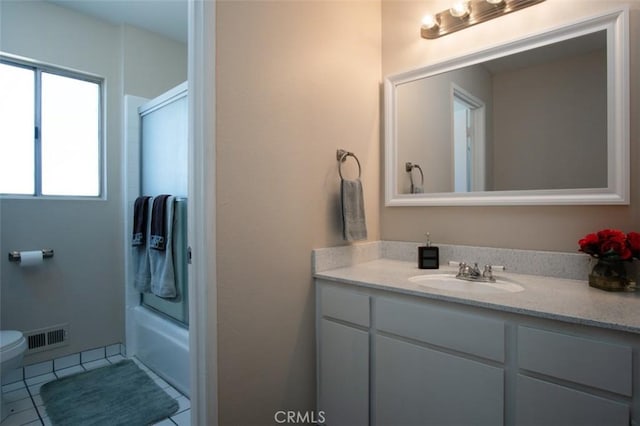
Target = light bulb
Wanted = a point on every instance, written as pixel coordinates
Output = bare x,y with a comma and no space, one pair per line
495,2
429,22
460,9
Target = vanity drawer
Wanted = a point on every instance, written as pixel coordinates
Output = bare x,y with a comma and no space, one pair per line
441,326
542,403
345,305
589,362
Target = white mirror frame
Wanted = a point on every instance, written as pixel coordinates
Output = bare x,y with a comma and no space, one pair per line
616,23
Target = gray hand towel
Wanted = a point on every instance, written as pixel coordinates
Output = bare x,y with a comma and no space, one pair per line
163,282
354,226
140,217
140,256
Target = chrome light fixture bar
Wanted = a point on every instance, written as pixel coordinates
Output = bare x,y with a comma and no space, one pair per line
466,13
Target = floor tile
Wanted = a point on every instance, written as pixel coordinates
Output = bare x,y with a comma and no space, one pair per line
13,386
165,422
46,421
38,369
35,389
26,416
37,400
161,383
66,362
172,392
95,364
182,419
112,350
12,376
42,410
15,395
92,355
140,364
69,371
151,374
40,379
115,358
183,404
33,423
19,405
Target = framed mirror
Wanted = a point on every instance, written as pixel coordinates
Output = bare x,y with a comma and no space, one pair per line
540,120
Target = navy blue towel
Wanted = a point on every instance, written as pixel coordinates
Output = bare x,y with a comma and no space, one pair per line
158,237
140,214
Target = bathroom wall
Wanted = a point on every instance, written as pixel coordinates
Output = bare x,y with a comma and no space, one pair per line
295,81
417,118
82,285
555,228
550,127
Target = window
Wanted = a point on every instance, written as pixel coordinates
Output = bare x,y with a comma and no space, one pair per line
50,131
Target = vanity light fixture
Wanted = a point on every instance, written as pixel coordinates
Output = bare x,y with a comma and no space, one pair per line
465,13
460,9
429,22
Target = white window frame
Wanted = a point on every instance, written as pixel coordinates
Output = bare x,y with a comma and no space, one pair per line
38,68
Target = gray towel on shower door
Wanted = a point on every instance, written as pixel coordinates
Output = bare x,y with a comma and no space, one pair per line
163,281
140,256
354,225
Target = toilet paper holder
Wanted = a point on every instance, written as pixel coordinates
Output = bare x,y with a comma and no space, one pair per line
14,256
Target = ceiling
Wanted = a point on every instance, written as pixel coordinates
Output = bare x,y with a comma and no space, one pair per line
166,17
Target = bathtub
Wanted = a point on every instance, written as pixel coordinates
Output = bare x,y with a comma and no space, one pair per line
163,346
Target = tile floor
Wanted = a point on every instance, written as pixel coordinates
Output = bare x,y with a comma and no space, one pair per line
23,396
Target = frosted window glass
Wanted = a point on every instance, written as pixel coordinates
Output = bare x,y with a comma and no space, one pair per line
70,136
164,150
17,100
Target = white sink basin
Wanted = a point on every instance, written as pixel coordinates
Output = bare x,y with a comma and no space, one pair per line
450,283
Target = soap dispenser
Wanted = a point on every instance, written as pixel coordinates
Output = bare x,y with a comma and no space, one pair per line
428,255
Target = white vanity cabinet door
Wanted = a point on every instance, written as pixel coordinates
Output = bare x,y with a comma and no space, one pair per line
415,385
542,403
344,374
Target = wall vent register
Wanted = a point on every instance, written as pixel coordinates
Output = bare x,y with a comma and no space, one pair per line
48,338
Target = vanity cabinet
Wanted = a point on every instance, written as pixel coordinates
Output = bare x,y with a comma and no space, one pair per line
433,365
343,356
393,359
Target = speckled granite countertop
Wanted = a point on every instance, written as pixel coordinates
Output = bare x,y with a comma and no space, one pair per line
561,299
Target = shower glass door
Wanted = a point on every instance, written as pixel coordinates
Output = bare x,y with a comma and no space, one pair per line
164,171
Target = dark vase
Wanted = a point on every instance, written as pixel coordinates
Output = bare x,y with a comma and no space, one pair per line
610,275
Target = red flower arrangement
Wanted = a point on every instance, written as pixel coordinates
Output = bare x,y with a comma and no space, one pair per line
611,244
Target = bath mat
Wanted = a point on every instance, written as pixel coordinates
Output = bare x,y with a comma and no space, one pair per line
118,394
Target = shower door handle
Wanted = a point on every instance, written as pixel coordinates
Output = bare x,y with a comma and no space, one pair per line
189,255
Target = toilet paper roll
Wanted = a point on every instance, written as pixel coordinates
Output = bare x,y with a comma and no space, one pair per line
30,258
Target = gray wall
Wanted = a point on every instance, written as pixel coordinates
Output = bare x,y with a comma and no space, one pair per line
83,285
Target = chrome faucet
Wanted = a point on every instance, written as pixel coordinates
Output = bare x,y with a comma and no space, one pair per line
472,273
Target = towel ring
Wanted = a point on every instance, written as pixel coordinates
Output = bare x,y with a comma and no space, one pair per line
409,168
342,155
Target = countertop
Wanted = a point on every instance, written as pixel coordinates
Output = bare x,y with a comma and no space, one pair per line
545,297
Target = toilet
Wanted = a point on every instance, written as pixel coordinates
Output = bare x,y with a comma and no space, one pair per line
12,348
